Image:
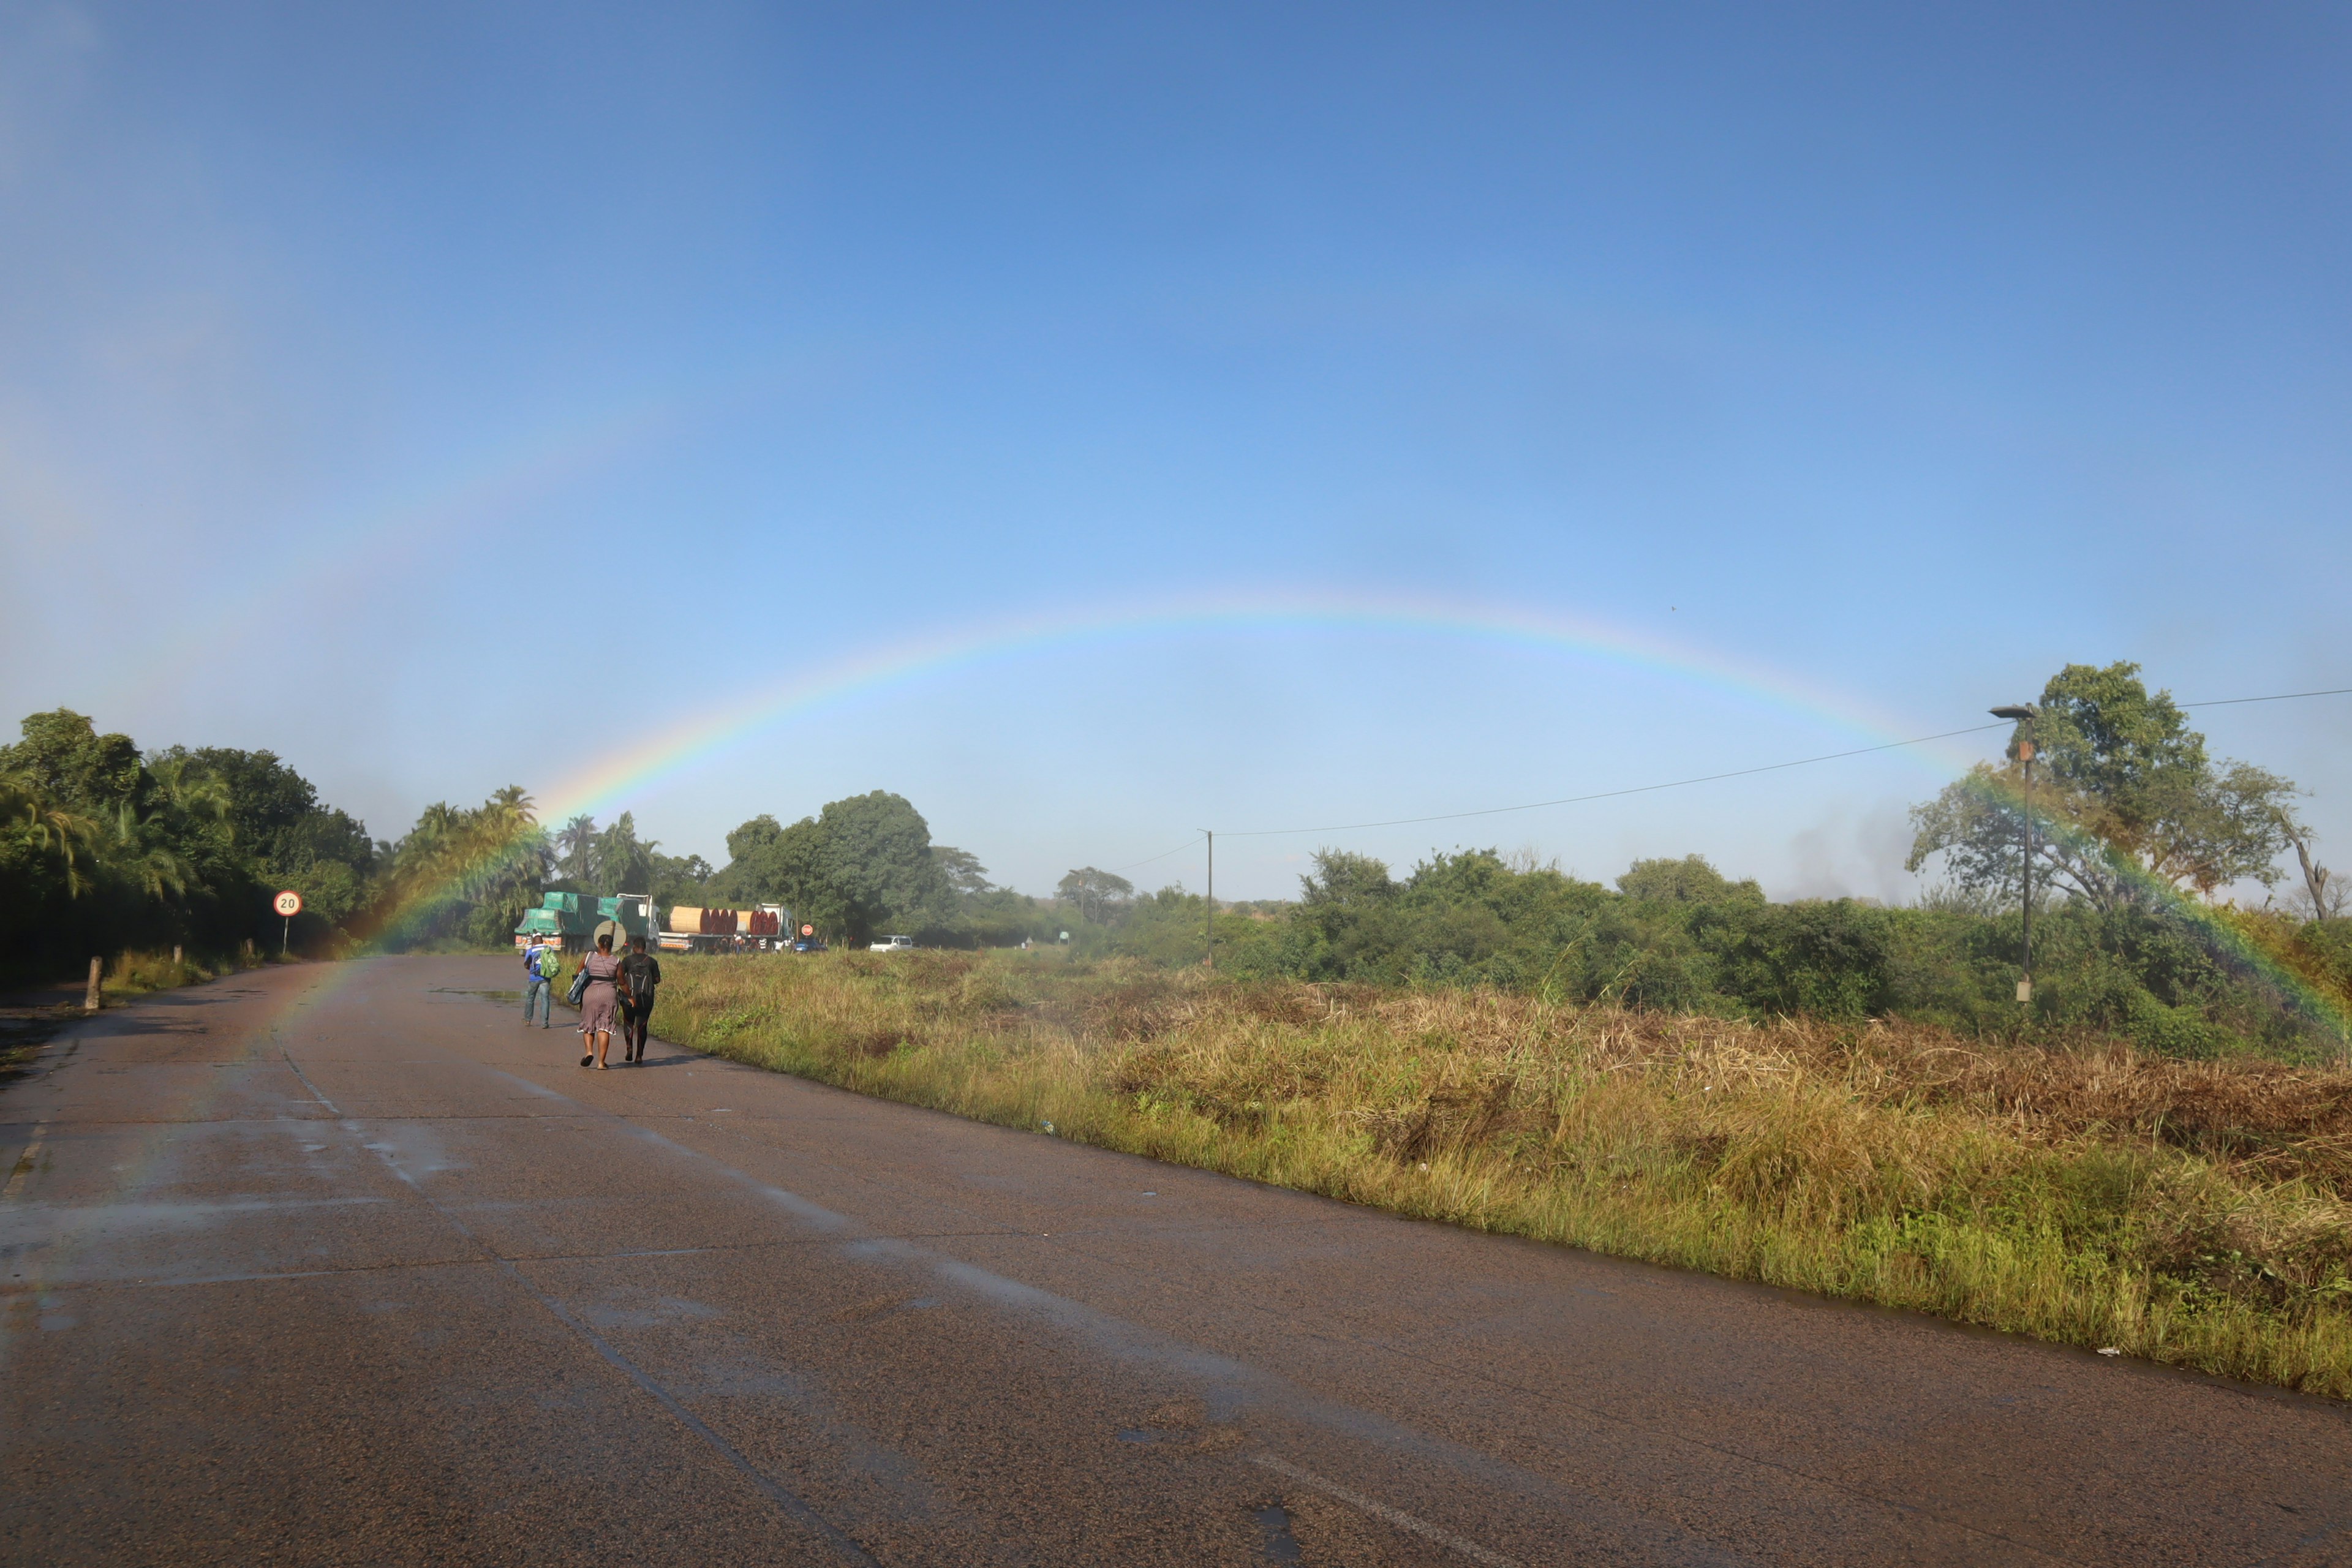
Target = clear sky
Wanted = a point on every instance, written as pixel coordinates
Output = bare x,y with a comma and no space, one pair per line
1100,422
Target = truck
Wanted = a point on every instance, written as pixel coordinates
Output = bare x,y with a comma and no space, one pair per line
572,920
690,929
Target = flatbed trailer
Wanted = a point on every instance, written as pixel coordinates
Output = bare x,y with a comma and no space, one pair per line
765,928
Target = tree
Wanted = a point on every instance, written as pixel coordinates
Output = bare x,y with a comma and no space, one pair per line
290,840
1098,896
964,873
64,757
753,836
45,829
1341,877
625,864
2324,894
576,844
677,880
469,873
2124,795
859,865
1689,880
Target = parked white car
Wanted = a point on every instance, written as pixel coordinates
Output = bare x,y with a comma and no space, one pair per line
893,944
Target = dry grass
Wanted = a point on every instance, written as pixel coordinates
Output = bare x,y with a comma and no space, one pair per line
137,973
2195,1213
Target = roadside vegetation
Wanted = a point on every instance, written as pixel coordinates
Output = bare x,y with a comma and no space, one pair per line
2083,1192
2145,846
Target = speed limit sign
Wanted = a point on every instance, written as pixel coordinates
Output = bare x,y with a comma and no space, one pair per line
289,904
808,930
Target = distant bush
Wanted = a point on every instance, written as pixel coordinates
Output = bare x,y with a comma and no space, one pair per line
1677,936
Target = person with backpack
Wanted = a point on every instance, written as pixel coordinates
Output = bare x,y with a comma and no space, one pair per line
540,967
640,974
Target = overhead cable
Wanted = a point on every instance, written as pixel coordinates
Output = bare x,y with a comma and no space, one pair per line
1680,783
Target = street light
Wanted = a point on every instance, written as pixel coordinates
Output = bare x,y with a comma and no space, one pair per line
1212,896
2023,713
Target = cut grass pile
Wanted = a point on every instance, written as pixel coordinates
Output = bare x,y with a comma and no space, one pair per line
2191,1213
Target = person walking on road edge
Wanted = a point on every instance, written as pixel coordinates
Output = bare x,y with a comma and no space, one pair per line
598,1002
640,974
540,966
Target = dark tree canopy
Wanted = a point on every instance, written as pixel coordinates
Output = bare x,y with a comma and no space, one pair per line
107,849
860,866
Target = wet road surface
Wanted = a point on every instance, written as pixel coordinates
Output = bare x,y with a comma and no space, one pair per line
340,1264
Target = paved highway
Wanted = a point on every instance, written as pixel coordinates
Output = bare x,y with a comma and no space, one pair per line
340,1263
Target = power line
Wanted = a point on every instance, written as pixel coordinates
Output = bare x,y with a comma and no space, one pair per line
2281,697
1711,778
1163,854
1679,784
1613,793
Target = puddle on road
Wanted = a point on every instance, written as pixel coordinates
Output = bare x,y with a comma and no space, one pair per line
1277,1544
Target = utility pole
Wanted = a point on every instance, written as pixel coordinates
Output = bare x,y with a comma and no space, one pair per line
1212,897
2023,713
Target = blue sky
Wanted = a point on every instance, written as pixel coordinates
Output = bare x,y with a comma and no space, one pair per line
447,396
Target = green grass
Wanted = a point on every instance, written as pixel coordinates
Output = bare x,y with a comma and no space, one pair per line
2191,1213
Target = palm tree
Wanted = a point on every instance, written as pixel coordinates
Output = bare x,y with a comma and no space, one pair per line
578,842
52,827
150,827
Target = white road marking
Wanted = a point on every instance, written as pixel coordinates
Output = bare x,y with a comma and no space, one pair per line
24,1163
1396,1516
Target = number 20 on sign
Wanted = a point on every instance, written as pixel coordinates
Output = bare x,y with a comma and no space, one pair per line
288,904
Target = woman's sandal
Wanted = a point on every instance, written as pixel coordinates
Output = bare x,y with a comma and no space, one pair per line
586,1060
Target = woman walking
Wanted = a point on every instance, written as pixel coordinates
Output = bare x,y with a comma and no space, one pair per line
598,1002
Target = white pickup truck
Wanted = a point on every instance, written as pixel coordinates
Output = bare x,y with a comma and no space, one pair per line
892,945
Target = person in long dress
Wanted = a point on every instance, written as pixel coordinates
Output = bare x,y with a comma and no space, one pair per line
598,1002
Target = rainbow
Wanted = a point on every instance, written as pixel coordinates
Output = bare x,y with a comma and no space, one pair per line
401,530
2218,925
612,782
615,779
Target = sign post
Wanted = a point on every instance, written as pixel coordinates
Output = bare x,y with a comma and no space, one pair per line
288,904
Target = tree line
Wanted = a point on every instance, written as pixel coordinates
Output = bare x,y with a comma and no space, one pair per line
2137,831
2139,834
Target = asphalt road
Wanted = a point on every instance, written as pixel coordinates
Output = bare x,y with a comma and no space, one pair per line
340,1263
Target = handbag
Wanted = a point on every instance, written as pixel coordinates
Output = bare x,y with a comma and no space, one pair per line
578,988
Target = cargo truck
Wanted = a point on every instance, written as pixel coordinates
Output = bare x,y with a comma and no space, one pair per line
688,929
572,920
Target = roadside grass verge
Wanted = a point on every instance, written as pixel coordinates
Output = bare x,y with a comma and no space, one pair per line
2193,1213
139,973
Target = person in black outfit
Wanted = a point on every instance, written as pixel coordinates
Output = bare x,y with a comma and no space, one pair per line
640,974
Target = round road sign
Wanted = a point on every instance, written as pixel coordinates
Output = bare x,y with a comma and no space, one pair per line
287,904
808,930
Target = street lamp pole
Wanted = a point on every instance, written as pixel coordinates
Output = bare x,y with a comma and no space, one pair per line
2023,713
1212,897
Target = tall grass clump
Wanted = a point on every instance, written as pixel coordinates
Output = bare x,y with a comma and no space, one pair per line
2191,1212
